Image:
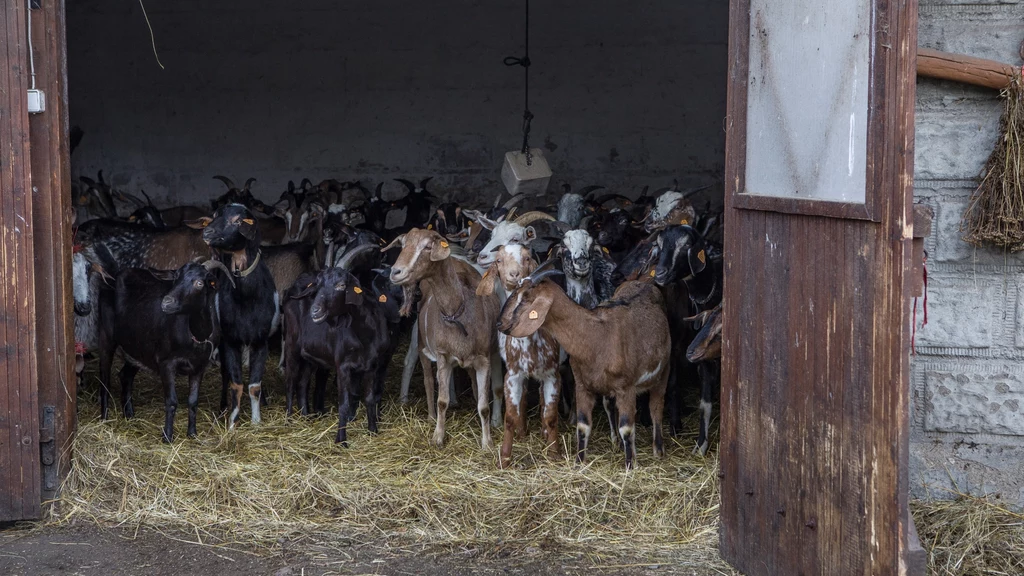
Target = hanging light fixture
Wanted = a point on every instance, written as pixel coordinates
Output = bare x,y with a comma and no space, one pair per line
525,171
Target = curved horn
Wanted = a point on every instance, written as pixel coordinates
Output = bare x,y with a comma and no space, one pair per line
530,217
227,181
590,190
126,197
99,176
352,254
149,201
693,191
306,184
409,185
605,198
362,189
497,201
423,183
211,264
399,240
376,194
537,278
511,201
248,183
643,193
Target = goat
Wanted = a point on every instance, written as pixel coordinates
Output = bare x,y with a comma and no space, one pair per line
449,221
479,235
682,255
505,232
707,344
301,211
416,203
124,245
671,207
572,207
330,323
178,215
620,349
164,321
248,309
456,327
243,197
375,212
536,356
97,200
86,279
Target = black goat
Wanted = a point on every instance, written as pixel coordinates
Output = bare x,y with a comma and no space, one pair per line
242,196
247,308
165,321
449,221
332,323
683,256
416,204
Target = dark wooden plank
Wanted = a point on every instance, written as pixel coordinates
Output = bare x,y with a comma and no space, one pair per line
806,206
51,183
963,68
815,364
19,417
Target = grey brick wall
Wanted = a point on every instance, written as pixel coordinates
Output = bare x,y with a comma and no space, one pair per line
968,374
624,93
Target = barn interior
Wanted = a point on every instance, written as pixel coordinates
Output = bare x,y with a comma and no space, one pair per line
624,96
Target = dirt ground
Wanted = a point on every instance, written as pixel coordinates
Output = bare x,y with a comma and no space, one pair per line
29,550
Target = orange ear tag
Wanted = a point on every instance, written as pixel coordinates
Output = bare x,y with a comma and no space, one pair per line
248,221
684,221
700,256
533,315
605,250
444,244
382,298
357,289
430,226
652,272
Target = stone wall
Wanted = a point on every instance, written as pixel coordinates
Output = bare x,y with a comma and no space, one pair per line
968,374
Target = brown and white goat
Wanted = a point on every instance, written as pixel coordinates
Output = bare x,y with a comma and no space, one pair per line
536,357
619,349
456,327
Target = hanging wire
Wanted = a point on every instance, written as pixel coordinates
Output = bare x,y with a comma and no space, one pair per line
525,63
31,58
152,39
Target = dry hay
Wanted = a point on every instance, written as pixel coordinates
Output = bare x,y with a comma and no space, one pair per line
286,479
995,215
970,536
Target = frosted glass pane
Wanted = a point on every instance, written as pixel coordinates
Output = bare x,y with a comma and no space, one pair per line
807,99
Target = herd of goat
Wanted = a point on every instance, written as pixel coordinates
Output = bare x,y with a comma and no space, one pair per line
619,297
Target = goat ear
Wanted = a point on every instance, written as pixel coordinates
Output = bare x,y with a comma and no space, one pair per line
488,282
697,257
306,292
441,250
531,317
530,234
199,223
354,295
165,275
247,226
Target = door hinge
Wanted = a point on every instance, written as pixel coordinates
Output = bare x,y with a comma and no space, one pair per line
48,448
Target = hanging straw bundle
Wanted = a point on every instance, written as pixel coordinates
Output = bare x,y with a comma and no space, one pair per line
995,215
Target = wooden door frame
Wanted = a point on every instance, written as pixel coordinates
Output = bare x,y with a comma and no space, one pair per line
767,512
19,423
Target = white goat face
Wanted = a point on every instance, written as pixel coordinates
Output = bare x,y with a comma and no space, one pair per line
576,259
503,234
665,204
80,283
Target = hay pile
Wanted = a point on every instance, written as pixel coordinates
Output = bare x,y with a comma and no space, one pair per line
287,479
995,214
970,536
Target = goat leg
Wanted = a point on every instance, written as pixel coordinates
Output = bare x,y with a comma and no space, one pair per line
656,406
483,403
611,410
584,409
231,368
497,382
106,361
193,402
343,378
257,366
428,384
410,363
707,377
320,391
550,389
374,394
170,403
127,377
444,373
514,384
626,406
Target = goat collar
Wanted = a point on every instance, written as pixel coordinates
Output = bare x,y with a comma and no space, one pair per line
252,267
454,318
711,293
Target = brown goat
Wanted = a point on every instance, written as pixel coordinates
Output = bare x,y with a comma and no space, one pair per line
456,327
536,356
707,344
619,349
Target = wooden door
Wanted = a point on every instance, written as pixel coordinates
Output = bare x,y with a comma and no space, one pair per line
19,410
815,387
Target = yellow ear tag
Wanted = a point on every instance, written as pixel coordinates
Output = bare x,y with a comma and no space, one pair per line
700,256
469,222
652,272
444,244
382,298
248,221
430,226
684,221
357,289
605,250
132,218
533,315
308,285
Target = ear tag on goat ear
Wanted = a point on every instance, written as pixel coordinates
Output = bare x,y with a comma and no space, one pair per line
652,272
444,244
308,285
248,221
382,299
605,250
132,218
357,289
700,256
684,222
533,315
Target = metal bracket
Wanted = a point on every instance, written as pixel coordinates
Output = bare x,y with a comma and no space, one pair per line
48,448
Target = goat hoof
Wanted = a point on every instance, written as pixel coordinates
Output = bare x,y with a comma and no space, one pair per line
701,449
438,440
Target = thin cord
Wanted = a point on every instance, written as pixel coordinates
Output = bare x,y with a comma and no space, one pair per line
31,58
151,38
525,63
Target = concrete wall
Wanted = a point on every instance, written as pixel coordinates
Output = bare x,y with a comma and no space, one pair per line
968,375
625,94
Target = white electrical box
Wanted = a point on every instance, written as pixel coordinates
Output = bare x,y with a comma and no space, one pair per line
522,178
36,101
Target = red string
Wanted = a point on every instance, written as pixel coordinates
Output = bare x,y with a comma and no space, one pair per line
913,330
